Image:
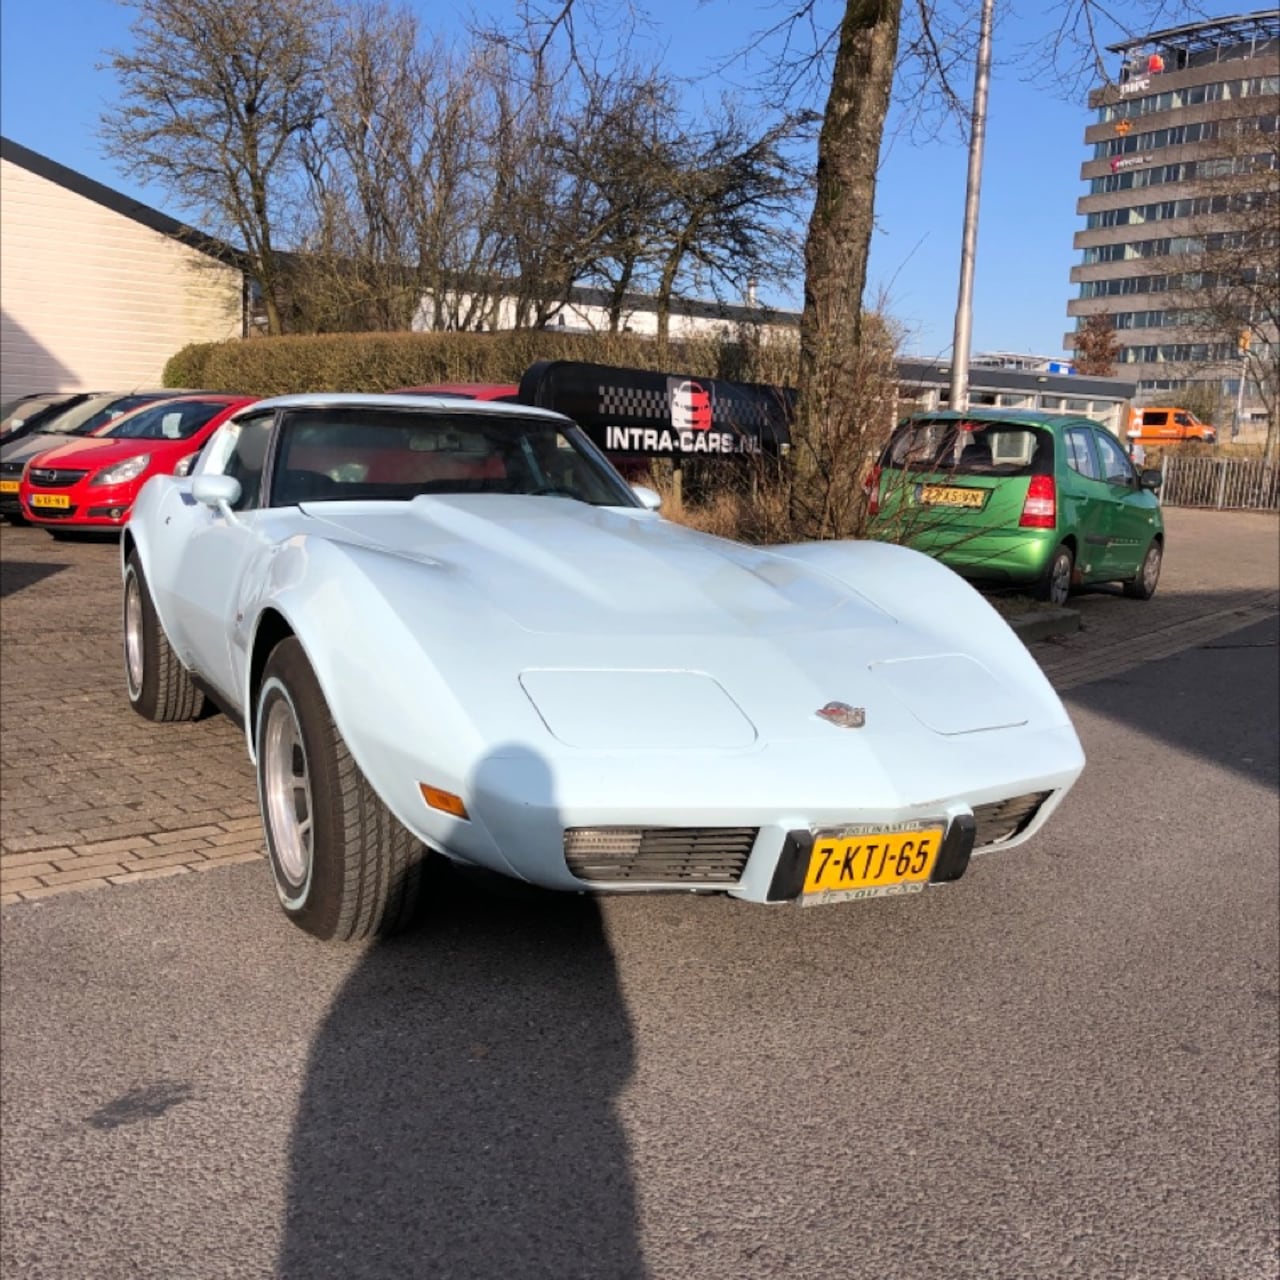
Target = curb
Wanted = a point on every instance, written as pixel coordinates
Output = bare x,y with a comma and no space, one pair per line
1040,624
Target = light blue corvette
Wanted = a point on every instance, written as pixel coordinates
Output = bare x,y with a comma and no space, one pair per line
451,628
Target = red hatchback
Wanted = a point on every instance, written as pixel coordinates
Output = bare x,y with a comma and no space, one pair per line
91,483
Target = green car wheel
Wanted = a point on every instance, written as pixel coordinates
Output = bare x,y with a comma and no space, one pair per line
1143,587
1055,586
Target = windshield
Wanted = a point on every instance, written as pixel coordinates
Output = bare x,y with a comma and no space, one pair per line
970,448
113,409
168,420
87,417
332,454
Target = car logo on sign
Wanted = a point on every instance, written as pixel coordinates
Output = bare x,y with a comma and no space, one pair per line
842,714
690,405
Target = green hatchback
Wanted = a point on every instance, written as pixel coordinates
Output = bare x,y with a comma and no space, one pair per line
1006,496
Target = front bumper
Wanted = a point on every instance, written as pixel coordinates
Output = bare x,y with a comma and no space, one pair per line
521,809
101,510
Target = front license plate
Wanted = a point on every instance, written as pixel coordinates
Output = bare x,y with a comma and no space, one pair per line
941,495
57,500
8,486
847,866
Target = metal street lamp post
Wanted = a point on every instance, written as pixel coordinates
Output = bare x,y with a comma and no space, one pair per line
969,245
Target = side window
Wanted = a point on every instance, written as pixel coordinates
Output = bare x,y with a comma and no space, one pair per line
1155,418
239,449
1116,468
1080,456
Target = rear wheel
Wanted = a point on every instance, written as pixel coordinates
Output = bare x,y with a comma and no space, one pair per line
343,866
1143,587
1055,586
160,687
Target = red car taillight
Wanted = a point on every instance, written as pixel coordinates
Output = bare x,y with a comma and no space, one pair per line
871,487
1040,510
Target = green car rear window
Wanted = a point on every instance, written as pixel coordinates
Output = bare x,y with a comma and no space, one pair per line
970,448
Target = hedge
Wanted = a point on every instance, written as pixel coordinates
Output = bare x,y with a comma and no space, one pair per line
263,366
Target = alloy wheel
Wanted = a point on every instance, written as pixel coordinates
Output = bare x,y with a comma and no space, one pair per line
133,641
287,792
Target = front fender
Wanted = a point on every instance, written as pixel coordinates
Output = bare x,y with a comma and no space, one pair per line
364,620
156,529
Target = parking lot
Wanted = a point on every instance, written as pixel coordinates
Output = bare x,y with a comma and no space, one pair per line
1062,1066
93,796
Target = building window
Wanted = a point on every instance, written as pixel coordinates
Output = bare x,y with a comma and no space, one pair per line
1173,99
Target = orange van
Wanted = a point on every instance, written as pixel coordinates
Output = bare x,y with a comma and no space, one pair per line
1167,424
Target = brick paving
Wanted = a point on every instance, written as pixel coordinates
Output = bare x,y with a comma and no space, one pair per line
91,795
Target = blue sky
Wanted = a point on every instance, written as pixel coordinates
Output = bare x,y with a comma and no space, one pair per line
52,92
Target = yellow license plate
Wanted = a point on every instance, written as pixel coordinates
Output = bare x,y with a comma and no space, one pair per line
60,501
849,865
941,495
8,486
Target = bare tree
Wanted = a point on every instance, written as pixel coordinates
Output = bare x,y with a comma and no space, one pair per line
215,99
1097,347
406,223
733,196
622,149
1234,278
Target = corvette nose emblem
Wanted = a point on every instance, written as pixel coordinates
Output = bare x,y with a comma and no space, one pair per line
842,714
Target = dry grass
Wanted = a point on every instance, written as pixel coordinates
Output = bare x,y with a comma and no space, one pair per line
753,508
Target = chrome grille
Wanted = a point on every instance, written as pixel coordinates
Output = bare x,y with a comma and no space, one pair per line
53,478
11,470
1005,818
666,855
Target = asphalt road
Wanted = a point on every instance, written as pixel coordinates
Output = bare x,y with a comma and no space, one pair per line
1063,1066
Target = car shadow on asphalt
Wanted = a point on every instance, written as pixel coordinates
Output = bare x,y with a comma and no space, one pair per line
1202,701
458,1116
17,575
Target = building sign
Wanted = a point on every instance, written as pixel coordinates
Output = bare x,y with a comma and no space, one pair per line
659,415
1128,162
1136,86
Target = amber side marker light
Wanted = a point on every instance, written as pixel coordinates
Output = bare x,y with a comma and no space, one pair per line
445,801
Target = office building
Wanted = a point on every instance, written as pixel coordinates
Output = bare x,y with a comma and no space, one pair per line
1181,191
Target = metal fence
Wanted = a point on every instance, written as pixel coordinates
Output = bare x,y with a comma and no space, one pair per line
1247,483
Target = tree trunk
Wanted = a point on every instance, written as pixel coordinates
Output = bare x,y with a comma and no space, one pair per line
618,295
838,241
666,287
275,326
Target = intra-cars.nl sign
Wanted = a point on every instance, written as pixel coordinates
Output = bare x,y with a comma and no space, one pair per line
635,411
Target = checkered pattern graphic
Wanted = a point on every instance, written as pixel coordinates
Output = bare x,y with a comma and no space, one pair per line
750,412
729,410
635,402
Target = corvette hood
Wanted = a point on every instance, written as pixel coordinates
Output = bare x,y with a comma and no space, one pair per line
557,566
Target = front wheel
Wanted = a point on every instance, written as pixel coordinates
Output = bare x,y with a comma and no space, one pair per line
1055,586
343,866
160,687
1143,587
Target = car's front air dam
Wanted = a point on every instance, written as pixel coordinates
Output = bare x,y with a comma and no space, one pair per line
526,801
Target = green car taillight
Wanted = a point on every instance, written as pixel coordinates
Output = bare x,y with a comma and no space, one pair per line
1040,510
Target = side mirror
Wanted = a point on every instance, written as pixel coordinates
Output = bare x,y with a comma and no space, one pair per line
1151,479
219,492
649,500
